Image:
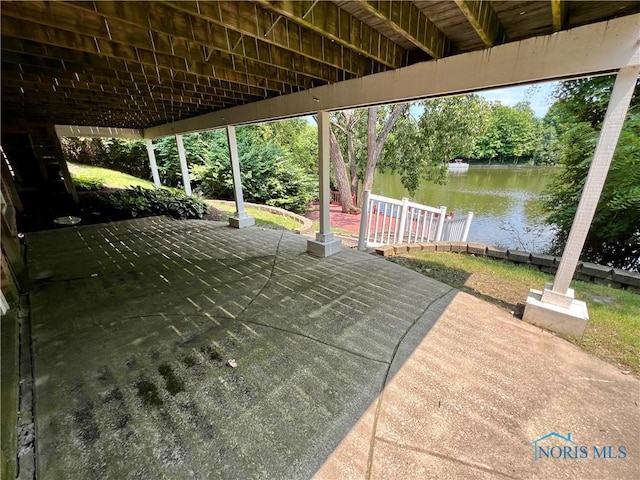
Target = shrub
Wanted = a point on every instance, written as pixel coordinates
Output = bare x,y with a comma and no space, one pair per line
85,183
140,202
270,176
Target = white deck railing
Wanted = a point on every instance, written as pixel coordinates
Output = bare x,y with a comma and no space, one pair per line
387,221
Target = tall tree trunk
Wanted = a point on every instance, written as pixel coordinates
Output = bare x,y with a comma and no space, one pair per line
372,155
375,144
351,152
342,178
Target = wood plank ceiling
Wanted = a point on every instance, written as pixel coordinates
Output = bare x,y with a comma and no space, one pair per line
140,64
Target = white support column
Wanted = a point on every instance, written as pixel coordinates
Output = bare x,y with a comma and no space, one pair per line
325,244
152,161
555,307
467,227
183,166
364,217
440,226
403,220
240,219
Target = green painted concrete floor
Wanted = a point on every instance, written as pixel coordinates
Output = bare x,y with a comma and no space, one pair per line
134,323
350,367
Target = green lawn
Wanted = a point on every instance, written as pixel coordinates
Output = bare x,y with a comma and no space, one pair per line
86,174
262,217
98,177
613,331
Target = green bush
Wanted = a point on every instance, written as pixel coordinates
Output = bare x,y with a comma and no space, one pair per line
270,174
83,183
140,202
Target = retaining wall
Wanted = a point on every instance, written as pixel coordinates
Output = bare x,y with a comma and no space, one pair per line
589,272
306,225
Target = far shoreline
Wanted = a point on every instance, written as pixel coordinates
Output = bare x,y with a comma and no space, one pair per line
510,165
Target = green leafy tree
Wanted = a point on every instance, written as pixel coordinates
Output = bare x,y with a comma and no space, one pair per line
614,236
512,134
271,174
419,150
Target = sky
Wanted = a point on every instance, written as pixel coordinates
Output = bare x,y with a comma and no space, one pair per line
538,95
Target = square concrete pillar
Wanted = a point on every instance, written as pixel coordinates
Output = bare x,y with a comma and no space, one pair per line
324,245
241,220
556,312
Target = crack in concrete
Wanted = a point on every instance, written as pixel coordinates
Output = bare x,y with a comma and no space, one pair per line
447,457
386,379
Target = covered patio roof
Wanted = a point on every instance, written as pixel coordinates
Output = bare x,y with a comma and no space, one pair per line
144,64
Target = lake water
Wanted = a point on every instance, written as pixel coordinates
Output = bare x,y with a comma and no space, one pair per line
504,201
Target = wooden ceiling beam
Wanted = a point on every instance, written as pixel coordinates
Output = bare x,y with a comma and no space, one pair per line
137,53
247,25
483,19
206,39
559,11
88,91
330,21
124,111
579,52
57,77
33,54
408,21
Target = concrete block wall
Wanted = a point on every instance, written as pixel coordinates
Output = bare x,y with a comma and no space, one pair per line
588,272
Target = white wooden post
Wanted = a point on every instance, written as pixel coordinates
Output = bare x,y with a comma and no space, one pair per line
183,166
403,219
467,227
555,307
240,219
611,128
152,161
325,244
362,238
440,227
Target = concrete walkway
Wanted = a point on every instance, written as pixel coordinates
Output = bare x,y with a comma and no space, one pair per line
347,367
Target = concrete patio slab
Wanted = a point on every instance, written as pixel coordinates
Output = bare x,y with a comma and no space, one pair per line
134,324
477,390
346,367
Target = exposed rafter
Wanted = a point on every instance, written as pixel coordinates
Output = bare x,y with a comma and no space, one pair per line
327,19
56,61
143,64
482,18
119,41
559,9
592,49
201,26
409,22
249,25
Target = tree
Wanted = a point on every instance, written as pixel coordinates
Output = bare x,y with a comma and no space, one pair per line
512,133
270,172
376,139
614,236
380,122
345,123
447,128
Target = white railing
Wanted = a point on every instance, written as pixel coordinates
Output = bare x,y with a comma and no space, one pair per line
387,221
457,230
